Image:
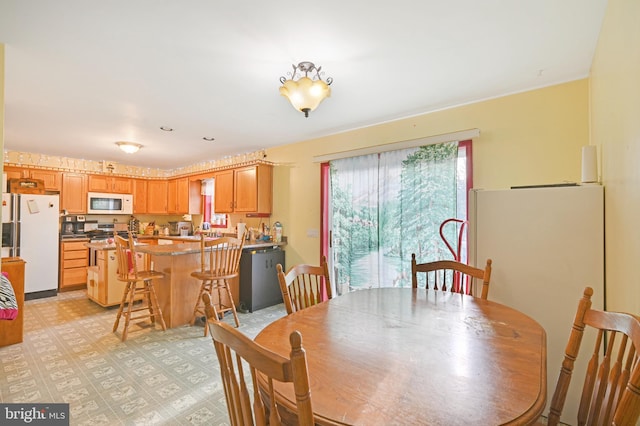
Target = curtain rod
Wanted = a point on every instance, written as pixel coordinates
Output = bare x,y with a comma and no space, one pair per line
412,143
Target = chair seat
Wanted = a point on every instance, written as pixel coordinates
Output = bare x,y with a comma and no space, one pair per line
209,275
142,276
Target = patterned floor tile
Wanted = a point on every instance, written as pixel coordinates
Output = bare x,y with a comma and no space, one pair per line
69,354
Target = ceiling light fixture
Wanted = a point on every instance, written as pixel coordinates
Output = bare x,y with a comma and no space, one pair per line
166,128
305,94
129,147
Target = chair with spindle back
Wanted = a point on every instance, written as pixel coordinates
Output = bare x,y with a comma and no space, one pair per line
219,263
236,354
138,286
611,390
304,285
449,275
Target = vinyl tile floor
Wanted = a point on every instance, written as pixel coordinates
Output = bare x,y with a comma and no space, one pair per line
70,355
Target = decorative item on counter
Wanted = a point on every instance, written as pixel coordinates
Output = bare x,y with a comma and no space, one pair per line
242,227
150,228
277,232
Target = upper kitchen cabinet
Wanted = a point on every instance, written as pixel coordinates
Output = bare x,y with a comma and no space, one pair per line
52,179
178,195
140,196
114,184
244,190
74,193
15,173
183,196
157,196
223,194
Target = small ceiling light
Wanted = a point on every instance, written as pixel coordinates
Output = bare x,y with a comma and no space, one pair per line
129,147
166,128
305,93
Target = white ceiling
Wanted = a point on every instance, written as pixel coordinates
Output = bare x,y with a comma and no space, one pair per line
81,75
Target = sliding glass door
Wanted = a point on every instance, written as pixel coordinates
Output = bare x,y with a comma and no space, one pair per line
384,207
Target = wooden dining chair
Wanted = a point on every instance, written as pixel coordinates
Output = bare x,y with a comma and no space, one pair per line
139,287
449,275
611,390
304,285
236,354
219,263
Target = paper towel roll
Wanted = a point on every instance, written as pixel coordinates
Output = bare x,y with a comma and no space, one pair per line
241,228
589,164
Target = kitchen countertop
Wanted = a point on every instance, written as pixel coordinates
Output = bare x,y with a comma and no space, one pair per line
179,248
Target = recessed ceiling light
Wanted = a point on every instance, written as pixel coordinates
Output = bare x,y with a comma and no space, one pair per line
208,139
166,128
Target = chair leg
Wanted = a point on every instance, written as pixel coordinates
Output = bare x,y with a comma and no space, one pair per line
197,307
146,286
154,308
233,305
125,293
128,310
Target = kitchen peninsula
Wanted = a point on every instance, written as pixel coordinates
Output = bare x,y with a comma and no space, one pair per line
177,291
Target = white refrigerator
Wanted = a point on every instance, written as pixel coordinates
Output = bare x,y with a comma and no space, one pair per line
30,231
547,245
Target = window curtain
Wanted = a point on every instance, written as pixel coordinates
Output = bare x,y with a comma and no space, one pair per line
385,207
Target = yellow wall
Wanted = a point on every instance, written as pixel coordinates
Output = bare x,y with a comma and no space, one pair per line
528,138
615,126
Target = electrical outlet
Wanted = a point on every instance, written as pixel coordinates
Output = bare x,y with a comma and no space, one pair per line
313,233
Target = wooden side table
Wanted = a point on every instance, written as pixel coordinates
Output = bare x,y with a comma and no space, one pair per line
12,331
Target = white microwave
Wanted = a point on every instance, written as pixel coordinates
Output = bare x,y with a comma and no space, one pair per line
105,203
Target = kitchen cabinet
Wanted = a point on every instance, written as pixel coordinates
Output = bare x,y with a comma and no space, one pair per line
74,193
15,173
52,179
13,331
223,193
157,196
74,260
178,195
112,184
140,196
183,196
103,286
244,190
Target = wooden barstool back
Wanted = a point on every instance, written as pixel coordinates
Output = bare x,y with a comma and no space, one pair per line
449,275
236,352
304,285
219,263
611,388
138,286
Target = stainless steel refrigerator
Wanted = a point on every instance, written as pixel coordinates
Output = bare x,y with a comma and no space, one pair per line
30,231
547,245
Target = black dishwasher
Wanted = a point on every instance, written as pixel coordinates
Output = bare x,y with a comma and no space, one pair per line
259,286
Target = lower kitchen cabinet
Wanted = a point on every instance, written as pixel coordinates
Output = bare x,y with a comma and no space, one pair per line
103,286
74,259
259,287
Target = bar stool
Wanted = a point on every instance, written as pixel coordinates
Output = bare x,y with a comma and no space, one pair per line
139,286
219,263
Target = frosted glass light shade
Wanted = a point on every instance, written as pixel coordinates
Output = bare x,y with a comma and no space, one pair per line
129,147
305,94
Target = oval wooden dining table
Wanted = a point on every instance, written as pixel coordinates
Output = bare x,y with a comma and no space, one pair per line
399,356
